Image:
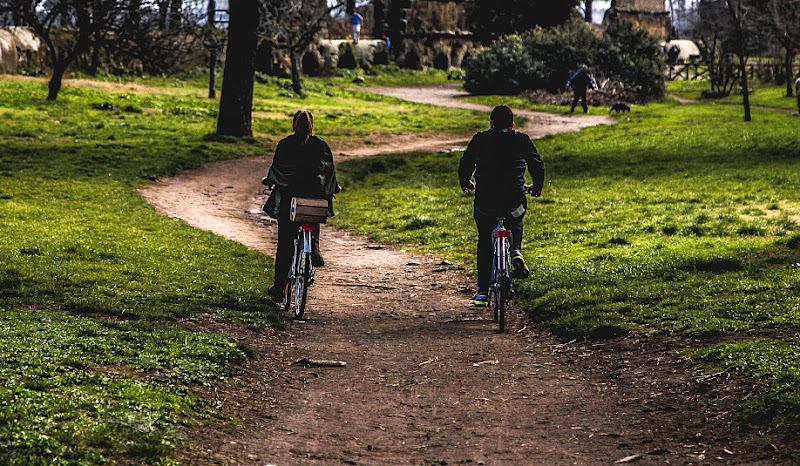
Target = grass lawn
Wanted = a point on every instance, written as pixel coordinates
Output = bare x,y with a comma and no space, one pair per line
762,95
677,220
93,282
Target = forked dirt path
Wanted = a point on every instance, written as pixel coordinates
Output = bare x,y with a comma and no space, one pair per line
428,380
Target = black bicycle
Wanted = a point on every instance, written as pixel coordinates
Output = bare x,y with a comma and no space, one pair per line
301,274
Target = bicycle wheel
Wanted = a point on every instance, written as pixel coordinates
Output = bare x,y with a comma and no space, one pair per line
499,298
502,300
301,282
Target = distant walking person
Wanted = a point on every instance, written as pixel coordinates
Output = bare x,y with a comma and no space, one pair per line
355,23
797,91
579,82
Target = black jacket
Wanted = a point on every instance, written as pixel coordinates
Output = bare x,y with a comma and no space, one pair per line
498,159
301,170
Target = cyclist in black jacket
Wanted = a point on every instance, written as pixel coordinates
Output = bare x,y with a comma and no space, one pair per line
498,159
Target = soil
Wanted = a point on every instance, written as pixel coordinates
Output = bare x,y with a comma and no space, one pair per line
427,379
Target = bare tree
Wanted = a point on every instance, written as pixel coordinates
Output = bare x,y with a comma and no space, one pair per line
293,25
782,19
213,44
89,21
739,12
712,30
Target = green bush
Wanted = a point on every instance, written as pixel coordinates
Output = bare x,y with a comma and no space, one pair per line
545,59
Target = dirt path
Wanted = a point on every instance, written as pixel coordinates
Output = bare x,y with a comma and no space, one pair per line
428,381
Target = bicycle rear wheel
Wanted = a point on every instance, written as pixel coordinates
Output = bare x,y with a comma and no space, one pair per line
301,282
499,299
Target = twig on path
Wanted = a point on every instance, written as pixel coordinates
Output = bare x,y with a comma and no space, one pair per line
366,285
491,361
319,363
628,459
429,361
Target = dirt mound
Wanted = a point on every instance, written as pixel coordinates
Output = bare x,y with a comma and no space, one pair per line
608,93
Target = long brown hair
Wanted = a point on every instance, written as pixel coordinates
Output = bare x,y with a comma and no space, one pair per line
303,124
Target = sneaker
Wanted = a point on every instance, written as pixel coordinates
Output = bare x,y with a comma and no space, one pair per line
520,269
316,259
481,299
275,293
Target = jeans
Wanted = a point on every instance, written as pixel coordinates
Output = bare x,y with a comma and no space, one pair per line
486,222
579,95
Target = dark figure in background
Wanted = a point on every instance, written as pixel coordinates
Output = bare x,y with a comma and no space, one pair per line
302,167
579,82
797,91
498,159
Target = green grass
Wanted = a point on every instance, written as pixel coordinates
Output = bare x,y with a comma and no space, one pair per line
675,220
94,284
762,95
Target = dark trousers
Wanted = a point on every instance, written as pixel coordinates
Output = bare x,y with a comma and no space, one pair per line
287,232
579,95
487,222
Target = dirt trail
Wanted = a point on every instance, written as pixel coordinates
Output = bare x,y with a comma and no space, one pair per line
428,381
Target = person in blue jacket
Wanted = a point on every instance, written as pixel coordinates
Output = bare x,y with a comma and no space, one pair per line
579,82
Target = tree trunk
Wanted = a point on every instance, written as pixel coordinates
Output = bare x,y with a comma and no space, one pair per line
788,58
236,102
745,89
297,82
211,15
587,14
175,14
212,74
735,7
59,68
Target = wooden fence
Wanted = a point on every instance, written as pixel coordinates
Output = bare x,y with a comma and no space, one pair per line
764,71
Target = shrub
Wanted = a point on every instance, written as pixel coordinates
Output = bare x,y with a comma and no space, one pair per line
545,59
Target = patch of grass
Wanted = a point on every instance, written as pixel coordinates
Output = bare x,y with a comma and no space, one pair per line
763,94
86,391
675,220
107,374
774,363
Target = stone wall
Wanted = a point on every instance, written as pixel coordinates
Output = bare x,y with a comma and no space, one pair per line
20,48
649,14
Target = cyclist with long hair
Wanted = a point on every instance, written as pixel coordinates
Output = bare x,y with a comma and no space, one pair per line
498,158
302,167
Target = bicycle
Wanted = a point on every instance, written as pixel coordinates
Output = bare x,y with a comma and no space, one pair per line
301,273
501,287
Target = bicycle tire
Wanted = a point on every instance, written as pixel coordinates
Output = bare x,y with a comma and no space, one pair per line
287,296
502,299
302,281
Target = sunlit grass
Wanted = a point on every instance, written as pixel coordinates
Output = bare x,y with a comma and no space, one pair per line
678,219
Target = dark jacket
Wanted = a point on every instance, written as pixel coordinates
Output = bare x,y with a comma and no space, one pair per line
301,170
498,159
581,80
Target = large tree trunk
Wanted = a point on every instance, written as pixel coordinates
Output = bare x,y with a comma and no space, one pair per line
236,102
587,14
